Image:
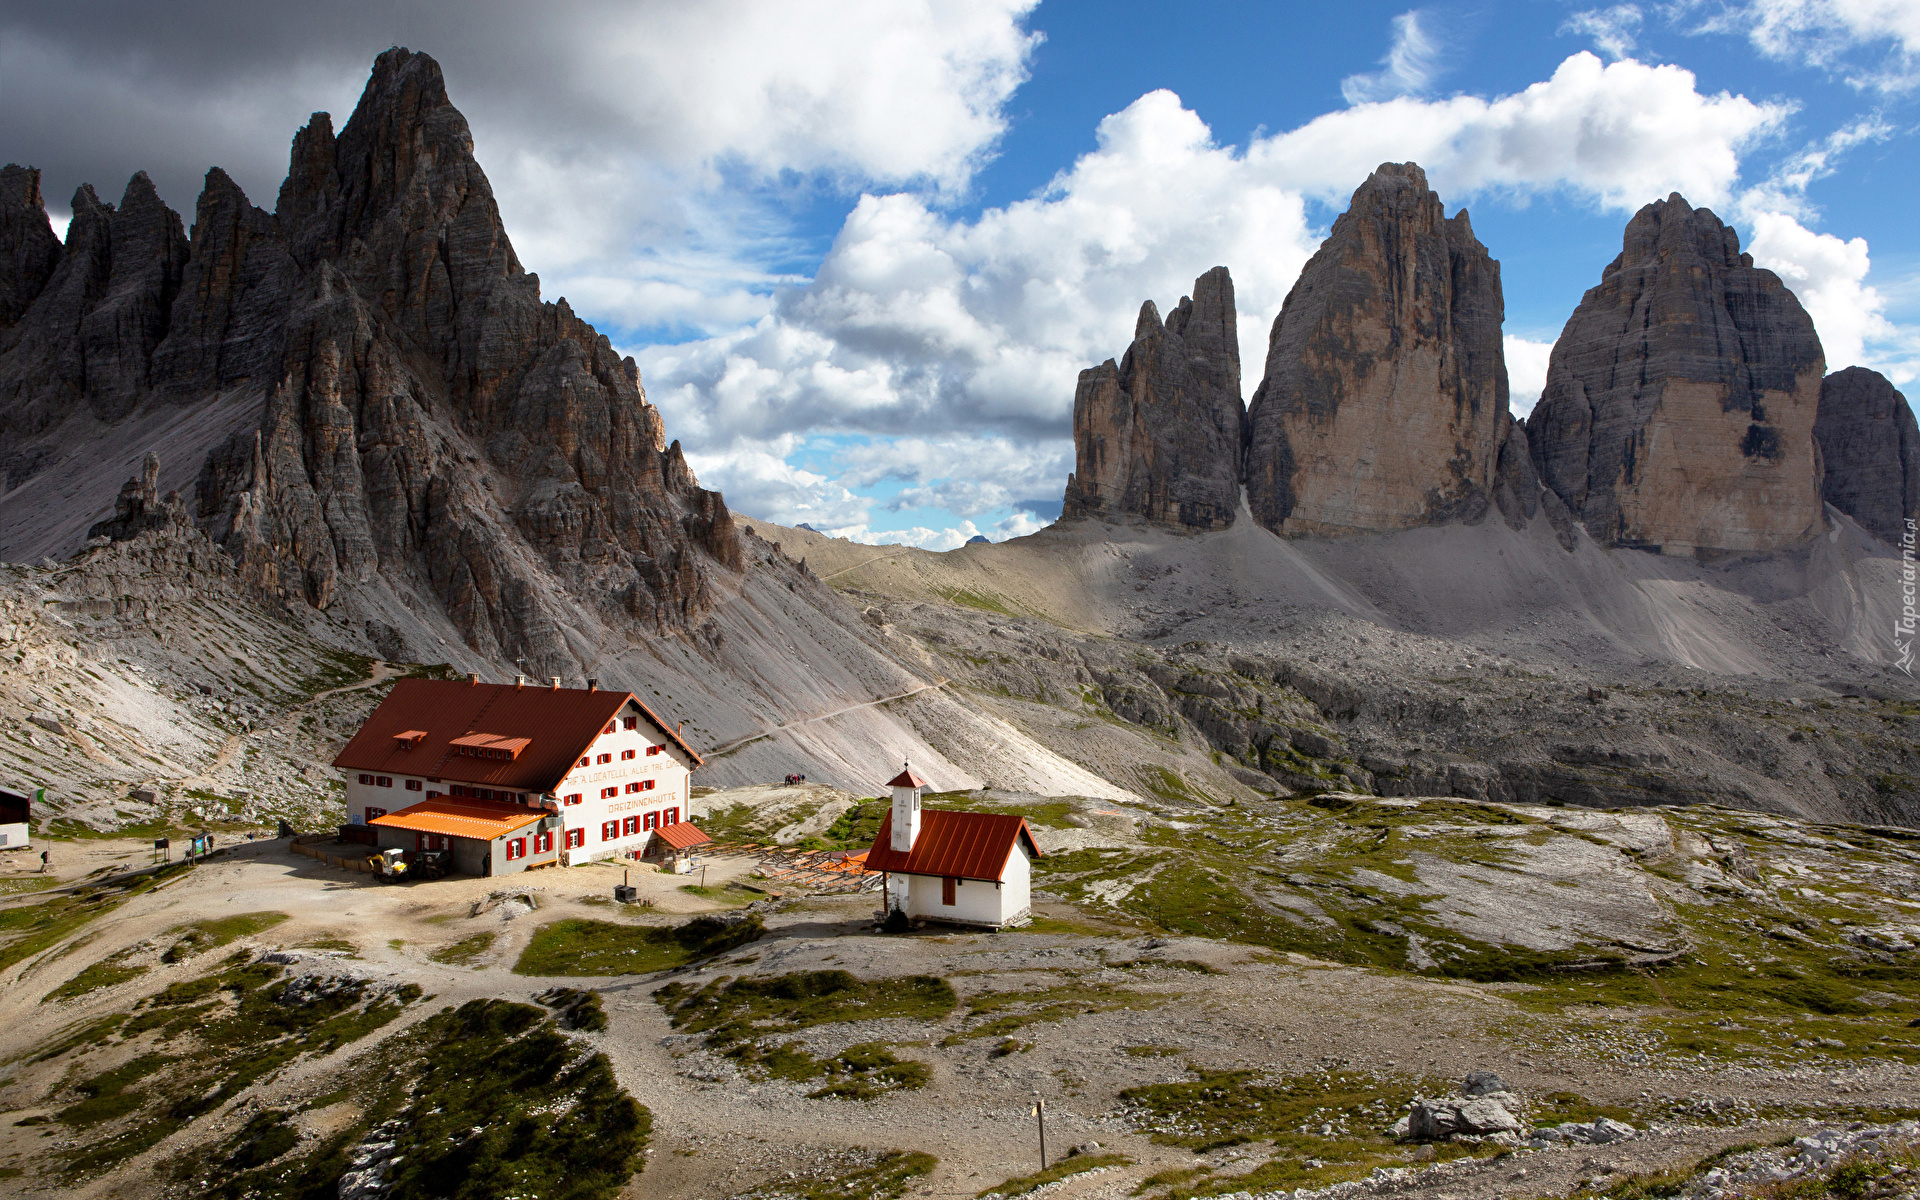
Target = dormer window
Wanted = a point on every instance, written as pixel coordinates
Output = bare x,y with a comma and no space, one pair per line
410,739
490,745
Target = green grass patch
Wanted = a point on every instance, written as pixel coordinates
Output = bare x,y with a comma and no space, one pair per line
580,946
1066,1168
507,1105
109,971
733,1010
1008,1012
30,929
747,1020
201,936
887,1177
464,951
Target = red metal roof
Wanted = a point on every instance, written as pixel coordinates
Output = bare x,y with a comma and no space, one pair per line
906,778
558,724
461,817
964,845
681,836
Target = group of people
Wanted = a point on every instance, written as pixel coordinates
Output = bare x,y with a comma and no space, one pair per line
793,779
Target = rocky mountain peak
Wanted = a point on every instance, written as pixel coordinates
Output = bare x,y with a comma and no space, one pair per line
1158,435
1384,403
382,407
1680,398
1870,445
28,250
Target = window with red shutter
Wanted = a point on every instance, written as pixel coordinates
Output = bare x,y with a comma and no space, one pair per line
367,780
576,838
373,812
609,830
653,820
516,848
543,843
383,780
630,722
606,758
629,826
413,785
625,755
652,750
609,793
574,799
672,817
646,785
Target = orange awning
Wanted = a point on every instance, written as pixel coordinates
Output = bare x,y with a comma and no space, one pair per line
459,817
681,836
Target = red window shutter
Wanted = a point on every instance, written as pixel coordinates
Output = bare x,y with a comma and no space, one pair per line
947,889
609,830
630,722
367,779
672,817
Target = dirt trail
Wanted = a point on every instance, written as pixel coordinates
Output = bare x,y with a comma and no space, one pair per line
736,743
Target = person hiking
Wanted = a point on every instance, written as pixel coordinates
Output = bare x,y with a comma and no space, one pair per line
45,861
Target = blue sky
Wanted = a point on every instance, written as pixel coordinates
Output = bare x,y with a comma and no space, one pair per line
1250,71
861,248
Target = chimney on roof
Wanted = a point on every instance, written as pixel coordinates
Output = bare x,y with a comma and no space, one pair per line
556,683
473,679
519,681
593,685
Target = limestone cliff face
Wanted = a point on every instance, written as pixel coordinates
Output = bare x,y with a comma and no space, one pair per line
28,250
1159,435
1384,404
1680,399
1871,448
424,428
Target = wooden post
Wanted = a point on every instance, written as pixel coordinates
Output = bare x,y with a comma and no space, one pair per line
1040,1111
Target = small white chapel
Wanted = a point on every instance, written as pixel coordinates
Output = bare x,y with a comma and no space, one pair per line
962,868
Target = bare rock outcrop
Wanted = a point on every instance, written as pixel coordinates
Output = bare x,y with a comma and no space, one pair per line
140,507
391,411
28,250
1384,404
1159,435
1680,398
1871,448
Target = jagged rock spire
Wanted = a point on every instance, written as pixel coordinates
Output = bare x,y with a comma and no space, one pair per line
1680,398
1384,404
1158,435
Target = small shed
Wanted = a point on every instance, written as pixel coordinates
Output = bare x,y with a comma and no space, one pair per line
676,844
964,868
16,817
482,837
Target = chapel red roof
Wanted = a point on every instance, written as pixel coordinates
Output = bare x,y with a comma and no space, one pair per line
964,845
544,730
906,778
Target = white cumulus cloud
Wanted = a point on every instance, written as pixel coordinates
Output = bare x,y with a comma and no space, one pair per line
1526,372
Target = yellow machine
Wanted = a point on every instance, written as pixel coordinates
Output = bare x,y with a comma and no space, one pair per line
390,865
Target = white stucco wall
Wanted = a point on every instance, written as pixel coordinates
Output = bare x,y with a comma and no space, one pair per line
14,837
669,770
975,901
